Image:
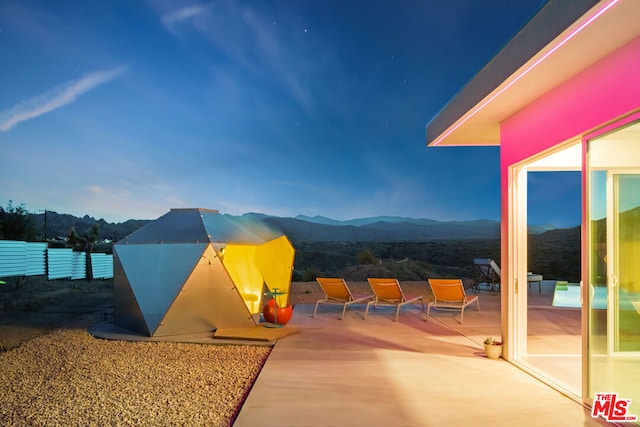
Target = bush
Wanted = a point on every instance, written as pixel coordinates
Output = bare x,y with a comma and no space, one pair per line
367,257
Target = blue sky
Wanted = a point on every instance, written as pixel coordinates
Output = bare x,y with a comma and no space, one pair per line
125,109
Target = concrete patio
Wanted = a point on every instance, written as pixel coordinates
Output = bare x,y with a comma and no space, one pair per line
378,372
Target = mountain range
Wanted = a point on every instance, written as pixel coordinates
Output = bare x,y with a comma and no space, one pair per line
386,229
304,228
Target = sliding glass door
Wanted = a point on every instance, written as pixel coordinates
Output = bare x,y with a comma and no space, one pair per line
613,297
545,325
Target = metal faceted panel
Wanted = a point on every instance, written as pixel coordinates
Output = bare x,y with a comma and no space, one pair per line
156,273
207,301
223,229
126,311
176,226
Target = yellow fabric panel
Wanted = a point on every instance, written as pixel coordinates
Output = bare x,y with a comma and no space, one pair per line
385,288
274,260
239,260
334,288
447,289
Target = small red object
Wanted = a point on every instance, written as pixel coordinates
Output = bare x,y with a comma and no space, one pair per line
283,313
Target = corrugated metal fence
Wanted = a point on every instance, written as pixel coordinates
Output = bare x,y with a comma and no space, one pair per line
34,259
102,265
13,258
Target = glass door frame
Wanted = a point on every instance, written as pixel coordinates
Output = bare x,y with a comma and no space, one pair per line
515,290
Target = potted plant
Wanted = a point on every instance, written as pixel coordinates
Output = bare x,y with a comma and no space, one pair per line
492,348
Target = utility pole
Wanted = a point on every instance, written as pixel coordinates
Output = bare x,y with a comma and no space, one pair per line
45,222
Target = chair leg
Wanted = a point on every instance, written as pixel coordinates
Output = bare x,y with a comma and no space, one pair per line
316,309
426,319
344,308
397,312
366,311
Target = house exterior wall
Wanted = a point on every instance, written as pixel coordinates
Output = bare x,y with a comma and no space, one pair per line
607,90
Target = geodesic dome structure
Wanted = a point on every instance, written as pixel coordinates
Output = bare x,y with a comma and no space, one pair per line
195,270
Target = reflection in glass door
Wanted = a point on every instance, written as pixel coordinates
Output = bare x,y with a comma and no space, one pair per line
624,272
613,274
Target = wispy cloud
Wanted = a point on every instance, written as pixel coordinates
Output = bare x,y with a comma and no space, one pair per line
57,97
176,16
267,45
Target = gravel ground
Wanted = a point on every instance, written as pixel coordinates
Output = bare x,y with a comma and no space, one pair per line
69,378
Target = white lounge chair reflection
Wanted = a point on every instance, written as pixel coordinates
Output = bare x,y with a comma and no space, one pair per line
487,276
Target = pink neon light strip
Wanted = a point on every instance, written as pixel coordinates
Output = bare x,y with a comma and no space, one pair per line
525,72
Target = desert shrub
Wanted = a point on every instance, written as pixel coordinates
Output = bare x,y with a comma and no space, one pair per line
367,257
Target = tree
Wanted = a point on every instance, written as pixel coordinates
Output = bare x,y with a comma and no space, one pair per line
85,244
15,223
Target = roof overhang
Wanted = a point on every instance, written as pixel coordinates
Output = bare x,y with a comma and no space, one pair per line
561,40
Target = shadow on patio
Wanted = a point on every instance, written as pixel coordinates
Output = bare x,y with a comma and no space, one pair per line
410,372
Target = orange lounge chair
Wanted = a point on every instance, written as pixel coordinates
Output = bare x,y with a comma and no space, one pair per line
449,294
337,292
389,293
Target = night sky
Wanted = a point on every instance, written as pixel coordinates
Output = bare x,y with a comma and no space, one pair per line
126,109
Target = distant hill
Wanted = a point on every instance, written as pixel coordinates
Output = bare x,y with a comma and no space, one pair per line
58,225
539,229
304,228
365,221
383,229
